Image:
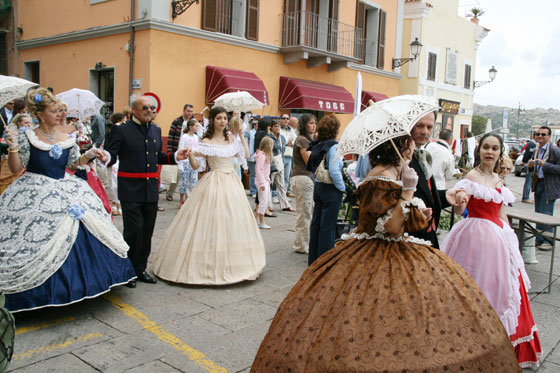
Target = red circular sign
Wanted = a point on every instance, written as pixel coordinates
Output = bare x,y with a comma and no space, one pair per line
155,98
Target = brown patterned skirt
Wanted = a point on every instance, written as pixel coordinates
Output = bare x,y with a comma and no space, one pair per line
382,306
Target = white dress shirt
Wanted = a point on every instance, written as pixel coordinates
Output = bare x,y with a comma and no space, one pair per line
443,162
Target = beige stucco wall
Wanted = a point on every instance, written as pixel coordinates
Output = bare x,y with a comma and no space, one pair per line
40,18
441,29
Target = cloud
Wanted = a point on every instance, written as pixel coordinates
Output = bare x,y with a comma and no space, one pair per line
549,60
493,50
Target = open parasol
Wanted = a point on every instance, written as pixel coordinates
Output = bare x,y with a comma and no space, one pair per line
81,103
240,100
383,121
12,88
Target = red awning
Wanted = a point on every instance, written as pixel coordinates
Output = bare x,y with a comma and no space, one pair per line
307,94
220,80
368,95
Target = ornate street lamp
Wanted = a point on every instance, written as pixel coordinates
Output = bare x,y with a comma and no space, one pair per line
180,6
491,73
415,48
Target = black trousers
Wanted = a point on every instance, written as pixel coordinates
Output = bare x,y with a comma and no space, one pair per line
139,220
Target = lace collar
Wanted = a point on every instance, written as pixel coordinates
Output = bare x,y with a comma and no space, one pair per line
34,140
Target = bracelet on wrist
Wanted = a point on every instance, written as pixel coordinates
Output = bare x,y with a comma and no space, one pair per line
13,150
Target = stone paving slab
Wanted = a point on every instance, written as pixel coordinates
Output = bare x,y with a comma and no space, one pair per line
194,329
236,316
548,325
65,337
126,352
66,363
154,366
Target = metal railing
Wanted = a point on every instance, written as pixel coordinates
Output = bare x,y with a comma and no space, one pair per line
304,28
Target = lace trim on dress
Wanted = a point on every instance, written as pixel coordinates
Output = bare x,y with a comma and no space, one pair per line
416,202
486,193
383,178
34,140
405,238
213,150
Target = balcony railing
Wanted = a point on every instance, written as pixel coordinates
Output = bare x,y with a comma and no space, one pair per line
308,29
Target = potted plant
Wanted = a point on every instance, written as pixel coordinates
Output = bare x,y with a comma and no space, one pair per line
475,13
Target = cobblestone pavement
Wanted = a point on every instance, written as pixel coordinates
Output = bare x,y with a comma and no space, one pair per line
173,328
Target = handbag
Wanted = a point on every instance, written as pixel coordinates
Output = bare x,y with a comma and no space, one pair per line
273,166
322,172
168,174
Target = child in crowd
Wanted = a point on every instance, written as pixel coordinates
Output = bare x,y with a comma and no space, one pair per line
263,157
235,127
189,177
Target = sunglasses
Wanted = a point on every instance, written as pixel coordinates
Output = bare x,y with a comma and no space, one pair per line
541,134
148,108
285,118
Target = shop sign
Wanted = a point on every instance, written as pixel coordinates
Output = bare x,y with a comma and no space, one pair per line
450,107
331,106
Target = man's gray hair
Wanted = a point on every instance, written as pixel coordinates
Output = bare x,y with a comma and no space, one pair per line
134,99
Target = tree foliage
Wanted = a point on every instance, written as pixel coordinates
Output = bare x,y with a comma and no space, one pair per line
478,124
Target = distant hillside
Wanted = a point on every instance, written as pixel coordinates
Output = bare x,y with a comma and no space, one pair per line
527,118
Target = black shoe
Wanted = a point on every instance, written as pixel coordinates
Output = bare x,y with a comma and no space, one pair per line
145,277
131,284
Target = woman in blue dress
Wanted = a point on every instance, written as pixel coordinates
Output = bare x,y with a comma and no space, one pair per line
57,242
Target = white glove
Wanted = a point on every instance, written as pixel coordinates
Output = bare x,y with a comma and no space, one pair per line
11,139
91,152
409,177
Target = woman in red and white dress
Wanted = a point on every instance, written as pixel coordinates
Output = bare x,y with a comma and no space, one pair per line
487,248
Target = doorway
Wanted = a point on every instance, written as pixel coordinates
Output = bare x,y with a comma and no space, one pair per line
102,83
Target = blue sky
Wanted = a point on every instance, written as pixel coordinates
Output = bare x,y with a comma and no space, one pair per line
524,46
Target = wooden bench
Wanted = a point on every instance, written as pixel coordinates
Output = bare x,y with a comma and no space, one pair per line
521,220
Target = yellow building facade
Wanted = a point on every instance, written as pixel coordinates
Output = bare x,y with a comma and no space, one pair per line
446,66
318,46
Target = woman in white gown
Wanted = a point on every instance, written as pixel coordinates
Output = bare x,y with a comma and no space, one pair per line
214,239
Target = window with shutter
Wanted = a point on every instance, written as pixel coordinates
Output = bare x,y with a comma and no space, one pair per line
290,34
360,48
252,20
381,40
210,15
468,70
432,61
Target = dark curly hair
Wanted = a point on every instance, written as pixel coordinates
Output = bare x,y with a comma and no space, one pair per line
498,164
210,130
385,153
327,129
302,125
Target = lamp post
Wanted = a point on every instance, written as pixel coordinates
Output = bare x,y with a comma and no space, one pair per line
519,110
492,74
415,48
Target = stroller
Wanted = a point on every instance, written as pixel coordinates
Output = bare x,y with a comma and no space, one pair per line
349,212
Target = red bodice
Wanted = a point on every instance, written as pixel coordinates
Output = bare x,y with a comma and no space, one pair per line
479,208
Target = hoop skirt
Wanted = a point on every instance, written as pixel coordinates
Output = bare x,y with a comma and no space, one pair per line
488,249
57,243
377,302
214,238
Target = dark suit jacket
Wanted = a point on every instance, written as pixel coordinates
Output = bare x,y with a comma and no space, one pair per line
529,152
435,200
139,153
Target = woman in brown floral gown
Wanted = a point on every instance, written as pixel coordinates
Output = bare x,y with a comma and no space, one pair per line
382,300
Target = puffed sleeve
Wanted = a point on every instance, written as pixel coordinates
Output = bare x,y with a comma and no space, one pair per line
24,149
74,155
414,218
376,199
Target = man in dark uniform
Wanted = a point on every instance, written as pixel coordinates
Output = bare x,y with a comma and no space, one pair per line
426,188
137,144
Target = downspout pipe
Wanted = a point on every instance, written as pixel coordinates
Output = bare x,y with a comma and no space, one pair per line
131,49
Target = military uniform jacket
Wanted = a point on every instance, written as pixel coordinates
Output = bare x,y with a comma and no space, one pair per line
138,148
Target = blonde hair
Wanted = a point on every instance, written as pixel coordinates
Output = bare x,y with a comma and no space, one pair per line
235,124
266,147
36,104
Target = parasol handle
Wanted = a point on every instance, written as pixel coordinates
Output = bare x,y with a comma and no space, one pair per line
3,123
370,102
397,150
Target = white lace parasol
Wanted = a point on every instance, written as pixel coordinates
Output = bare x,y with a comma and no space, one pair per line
81,103
12,88
382,121
240,100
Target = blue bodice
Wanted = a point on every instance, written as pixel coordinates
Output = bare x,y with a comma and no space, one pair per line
41,163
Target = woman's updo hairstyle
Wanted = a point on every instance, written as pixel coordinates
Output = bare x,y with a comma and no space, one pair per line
38,99
211,116
385,153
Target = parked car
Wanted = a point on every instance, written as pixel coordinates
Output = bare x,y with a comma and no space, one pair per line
519,169
514,150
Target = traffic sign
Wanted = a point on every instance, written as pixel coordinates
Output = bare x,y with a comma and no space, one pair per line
155,98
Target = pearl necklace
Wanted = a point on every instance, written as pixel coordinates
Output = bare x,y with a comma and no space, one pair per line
50,137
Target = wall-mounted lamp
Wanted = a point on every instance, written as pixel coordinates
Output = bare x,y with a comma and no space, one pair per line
415,48
180,6
99,66
492,74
